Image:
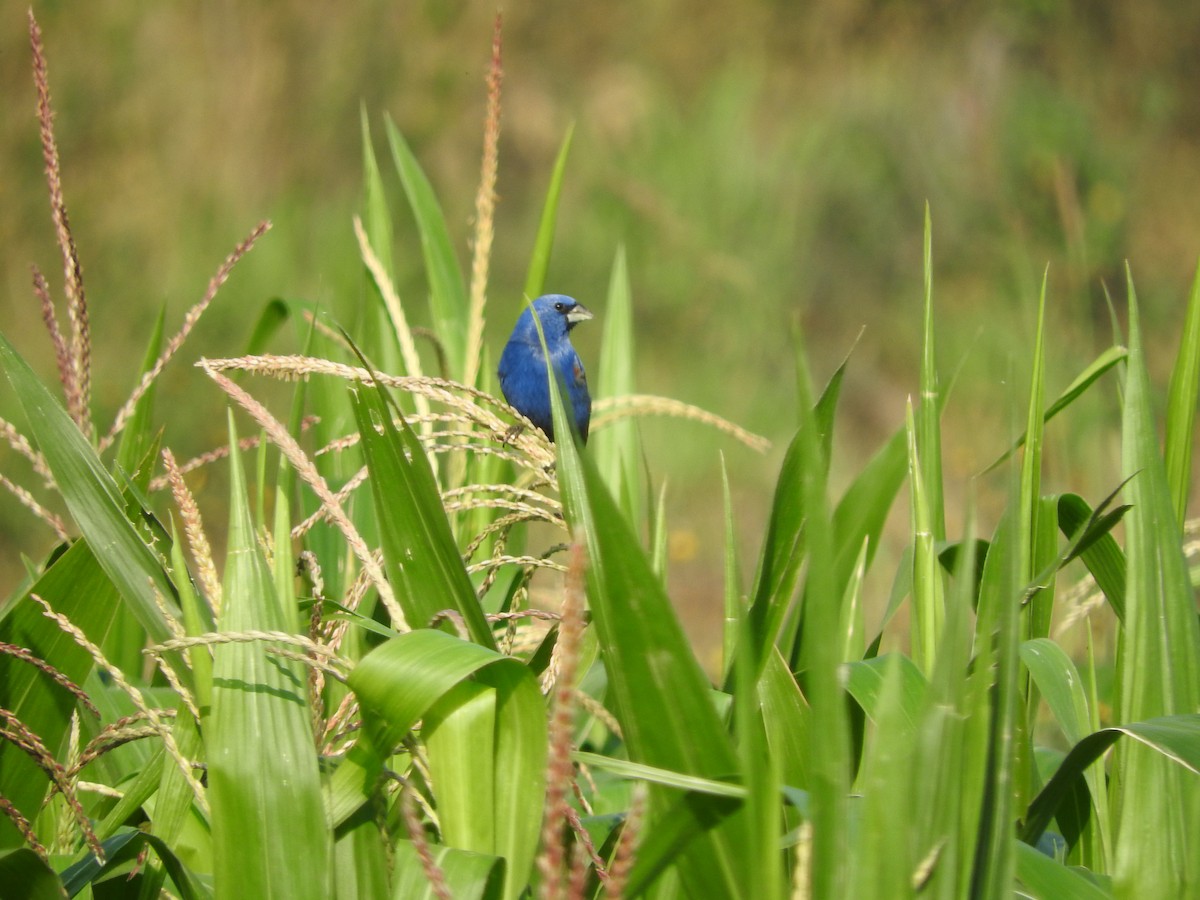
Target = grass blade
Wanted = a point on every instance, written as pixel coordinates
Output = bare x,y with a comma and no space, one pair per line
270,834
93,498
657,689
447,291
539,260
420,555
1158,658
616,448
1181,405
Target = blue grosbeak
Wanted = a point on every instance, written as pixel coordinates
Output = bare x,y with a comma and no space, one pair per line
523,365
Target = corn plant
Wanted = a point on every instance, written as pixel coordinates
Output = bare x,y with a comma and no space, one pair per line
438,656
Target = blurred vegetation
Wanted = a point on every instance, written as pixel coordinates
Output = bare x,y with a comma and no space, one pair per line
764,163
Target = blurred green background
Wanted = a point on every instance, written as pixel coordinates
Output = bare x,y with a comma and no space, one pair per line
765,164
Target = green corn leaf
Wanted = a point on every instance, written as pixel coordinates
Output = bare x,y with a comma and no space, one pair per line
867,680
447,291
469,876
928,588
138,434
1059,683
929,412
1099,366
616,447
421,557
1099,550
657,689
1181,406
1175,740
124,848
28,877
1043,878
486,732
78,587
1158,660
93,498
270,833
486,744
539,260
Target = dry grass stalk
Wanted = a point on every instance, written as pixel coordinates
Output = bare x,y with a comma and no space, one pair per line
560,770
322,512
25,828
153,715
609,409
189,322
116,734
623,856
391,301
485,210
802,875
17,733
532,561
219,453
59,678
79,398
416,834
62,353
27,500
578,880
213,638
585,849
193,528
308,472
21,444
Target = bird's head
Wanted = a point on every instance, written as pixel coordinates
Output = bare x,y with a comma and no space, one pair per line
558,314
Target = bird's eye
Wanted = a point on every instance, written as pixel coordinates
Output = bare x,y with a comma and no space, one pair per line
560,307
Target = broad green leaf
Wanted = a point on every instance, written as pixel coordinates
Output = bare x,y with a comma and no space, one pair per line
1175,740
76,586
486,744
1158,660
863,510
398,681
1095,546
539,260
486,725
1060,685
25,876
468,876
122,849
138,434
616,447
1045,879
377,220
829,752
786,720
421,557
93,498
888,765
654,775
998,639
447,292
270,833
656,687
867,680
734,601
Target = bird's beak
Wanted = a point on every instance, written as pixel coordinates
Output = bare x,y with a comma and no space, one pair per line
579,314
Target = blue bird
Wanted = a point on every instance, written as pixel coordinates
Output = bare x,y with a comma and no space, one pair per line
523,365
